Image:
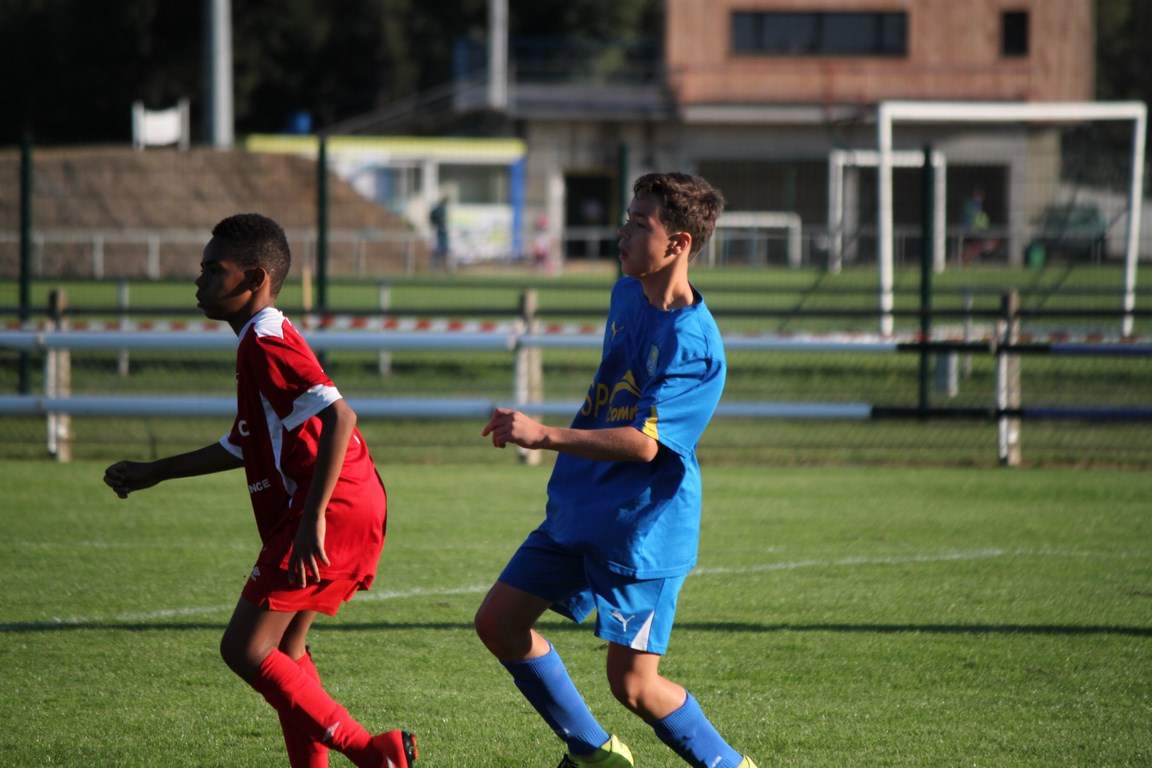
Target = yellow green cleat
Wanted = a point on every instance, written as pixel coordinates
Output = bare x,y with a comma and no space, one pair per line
746,763
611,754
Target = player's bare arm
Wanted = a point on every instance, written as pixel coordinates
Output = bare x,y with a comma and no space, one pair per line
338,421
124,477
613,444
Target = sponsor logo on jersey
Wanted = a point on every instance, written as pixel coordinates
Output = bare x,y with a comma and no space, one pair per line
259,485
653,359
601,401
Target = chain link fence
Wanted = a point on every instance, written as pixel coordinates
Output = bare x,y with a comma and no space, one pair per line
121,232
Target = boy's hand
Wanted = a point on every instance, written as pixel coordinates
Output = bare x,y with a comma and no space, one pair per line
308,550
509,426
123,477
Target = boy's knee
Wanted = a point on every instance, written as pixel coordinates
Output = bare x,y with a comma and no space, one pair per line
240,656
628,688
229,652
489,627
504,639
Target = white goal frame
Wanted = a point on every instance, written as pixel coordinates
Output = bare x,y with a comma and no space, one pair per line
891,112
839,159
786,220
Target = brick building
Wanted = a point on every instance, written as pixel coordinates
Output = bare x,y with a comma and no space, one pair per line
758,94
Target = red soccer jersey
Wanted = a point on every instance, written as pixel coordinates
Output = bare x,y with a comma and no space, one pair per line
280,387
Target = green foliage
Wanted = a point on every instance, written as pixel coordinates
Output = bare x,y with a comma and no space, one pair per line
336,60
893,617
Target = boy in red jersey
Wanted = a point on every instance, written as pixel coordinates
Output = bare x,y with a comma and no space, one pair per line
319,504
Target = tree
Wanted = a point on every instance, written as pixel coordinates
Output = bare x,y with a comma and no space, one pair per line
1124,50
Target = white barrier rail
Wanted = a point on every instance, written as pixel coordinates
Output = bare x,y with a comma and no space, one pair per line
382,408
57,403
502,339
30,341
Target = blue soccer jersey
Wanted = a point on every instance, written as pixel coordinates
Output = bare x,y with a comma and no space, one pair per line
661,372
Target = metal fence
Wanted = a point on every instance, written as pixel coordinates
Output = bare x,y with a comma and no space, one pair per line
994,390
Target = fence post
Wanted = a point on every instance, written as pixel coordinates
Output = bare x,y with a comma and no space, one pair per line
58,381
153,257
306,303
26,244
410,255
1008,380
98,257
927,236
967,331
122,361
385,305
529,376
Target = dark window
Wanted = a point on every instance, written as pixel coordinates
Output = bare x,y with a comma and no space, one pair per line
835,33
1014,33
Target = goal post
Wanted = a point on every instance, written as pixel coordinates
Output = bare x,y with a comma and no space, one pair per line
891,113
839,160
752,221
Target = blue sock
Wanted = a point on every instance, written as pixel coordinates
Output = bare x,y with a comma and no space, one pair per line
545,683
689,733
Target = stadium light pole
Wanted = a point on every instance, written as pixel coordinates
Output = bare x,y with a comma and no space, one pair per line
498,55
218,116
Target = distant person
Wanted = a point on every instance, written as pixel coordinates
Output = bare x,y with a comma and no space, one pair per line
320,506
438,218
976,225
542,244
622,524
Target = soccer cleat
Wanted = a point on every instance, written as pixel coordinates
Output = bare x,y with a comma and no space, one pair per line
611,754
398,747
746,763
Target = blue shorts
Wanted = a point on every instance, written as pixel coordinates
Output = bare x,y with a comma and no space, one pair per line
636,613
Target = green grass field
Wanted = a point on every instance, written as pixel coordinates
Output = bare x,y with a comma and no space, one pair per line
839,617
735,294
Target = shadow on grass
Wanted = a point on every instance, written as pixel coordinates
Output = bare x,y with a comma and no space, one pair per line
552,627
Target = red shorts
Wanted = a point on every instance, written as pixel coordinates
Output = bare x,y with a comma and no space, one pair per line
271,588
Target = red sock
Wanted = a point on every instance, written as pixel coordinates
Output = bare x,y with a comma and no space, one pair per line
303,750
292,692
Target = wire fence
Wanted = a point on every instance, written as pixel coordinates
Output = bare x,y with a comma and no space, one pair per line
122,233
423,384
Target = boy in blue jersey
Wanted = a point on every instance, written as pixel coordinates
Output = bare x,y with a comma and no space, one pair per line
623,515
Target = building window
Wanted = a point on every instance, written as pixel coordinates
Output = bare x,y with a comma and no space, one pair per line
829,33
1014,33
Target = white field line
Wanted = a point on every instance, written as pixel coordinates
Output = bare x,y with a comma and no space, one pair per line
474,589
977,554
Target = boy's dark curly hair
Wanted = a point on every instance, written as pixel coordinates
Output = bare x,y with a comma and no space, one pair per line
257,241
687,204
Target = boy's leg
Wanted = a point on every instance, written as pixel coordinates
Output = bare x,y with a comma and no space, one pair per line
303,750
672,712
505,623
250,647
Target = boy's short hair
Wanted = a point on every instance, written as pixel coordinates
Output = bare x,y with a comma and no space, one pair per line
257,241
687,204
